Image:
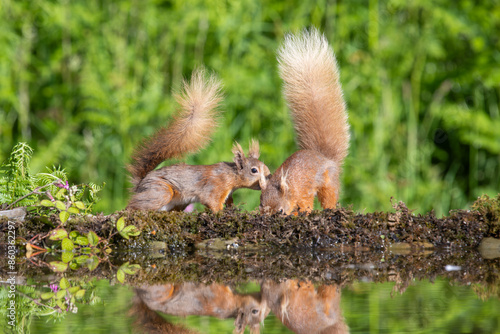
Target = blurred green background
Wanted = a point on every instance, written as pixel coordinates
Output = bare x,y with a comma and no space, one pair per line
82,81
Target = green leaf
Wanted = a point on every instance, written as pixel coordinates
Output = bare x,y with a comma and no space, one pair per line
134,234
60,294
135,266
73,234
60,194
63,215
81,240
81,259
73,265
120,224
131,269
120,276
47,295
125,235
58,266
93,238
67,256
80,294
63,283
131,230
73,210
80,205
61,305
58,234
67,244
93,263
60,205
46,202
74,289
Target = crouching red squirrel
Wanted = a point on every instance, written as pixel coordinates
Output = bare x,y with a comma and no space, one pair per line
176,186
313,93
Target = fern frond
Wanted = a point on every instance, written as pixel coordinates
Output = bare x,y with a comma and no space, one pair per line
19,160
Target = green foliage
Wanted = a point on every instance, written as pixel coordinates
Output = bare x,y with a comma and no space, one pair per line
15,178
49,301
19,188
126,231
126,269
84,81
78,249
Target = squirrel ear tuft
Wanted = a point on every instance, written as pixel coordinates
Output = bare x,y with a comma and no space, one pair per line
253,151
239,156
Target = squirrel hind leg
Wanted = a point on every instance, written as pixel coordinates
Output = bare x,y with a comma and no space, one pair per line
328,193
152,196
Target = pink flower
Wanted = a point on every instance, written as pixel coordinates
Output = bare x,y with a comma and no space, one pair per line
62,185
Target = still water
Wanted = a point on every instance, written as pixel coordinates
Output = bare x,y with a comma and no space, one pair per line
392,293
425,307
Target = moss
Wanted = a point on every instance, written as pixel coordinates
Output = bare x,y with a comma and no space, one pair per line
489,209
329,245
328,228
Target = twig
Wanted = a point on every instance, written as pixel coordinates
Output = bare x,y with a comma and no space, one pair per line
35,301
35,191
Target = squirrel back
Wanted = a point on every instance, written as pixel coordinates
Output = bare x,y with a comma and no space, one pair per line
312,90
190,130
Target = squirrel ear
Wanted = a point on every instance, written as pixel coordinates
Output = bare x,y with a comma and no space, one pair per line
239,156
253,151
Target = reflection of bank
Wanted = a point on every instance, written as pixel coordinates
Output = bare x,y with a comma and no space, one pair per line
198,299
298,305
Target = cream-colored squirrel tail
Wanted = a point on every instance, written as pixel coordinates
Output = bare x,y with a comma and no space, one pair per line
190,130
312,90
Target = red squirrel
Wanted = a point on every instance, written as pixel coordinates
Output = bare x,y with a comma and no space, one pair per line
215,300
176,186
313,93
305,309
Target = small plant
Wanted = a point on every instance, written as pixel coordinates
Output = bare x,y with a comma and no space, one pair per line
49,194
126,269
52,300
42,192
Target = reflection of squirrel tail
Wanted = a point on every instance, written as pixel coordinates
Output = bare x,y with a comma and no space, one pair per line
314,95
190,129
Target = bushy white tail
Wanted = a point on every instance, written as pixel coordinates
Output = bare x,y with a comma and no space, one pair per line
313,92
190,129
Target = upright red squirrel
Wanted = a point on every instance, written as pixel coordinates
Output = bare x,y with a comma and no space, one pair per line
176,186
312,90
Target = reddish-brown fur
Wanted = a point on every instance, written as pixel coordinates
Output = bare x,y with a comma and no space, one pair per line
314,95
303,308
150,322
176,186
214,300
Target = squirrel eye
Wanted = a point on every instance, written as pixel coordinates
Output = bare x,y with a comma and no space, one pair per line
254,170
280,211
255,311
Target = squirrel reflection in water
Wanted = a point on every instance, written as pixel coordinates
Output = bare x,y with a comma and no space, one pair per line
298,305
184,299
303,308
